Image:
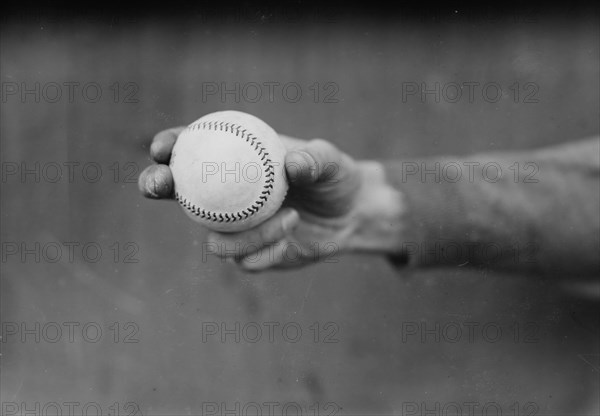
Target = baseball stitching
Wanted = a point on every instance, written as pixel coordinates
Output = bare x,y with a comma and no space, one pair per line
269,170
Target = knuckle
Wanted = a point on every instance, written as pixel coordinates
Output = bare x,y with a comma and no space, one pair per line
317,141
323,145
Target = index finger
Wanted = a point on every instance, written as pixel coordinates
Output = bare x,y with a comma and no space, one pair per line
162,144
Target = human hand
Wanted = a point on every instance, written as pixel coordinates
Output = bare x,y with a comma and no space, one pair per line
328,209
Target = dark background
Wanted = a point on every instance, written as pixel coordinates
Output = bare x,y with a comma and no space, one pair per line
163,57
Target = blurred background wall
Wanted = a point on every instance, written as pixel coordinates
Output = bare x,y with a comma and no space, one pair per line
152,282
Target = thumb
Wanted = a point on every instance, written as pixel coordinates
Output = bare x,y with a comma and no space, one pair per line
318,161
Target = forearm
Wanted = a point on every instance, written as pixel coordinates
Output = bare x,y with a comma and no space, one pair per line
378,223
526,211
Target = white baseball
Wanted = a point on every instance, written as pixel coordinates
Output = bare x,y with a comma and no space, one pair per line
228,169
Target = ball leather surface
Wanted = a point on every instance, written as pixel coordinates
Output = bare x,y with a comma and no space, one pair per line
228,169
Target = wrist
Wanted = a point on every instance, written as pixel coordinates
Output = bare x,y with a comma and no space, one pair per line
378,220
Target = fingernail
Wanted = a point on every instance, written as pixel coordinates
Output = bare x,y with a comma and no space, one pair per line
162,183
303,162
311,164
294,163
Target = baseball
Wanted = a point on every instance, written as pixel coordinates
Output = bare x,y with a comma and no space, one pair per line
228,169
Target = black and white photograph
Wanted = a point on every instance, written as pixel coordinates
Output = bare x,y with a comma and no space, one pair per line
300,209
